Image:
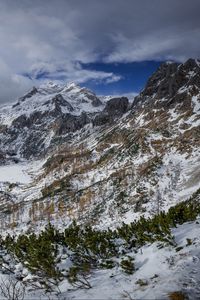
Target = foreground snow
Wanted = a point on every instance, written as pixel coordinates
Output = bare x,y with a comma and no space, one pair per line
160,270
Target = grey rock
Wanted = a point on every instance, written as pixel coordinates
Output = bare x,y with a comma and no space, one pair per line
29,94
33,145
70,123
114,108
95,101
59,101
117,106
102,119
20,122
167,80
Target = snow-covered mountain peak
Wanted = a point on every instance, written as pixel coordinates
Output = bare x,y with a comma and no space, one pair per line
53,97
53,87
50,87
72,85
69,88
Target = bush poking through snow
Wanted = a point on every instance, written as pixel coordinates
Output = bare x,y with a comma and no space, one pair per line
142,282
78,276
127,265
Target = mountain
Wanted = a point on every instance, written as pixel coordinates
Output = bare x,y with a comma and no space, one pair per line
105,162
49,112
68,155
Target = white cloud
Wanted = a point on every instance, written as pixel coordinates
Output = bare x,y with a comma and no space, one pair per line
160,45
130,95
12,85
52,36
113,78
35,43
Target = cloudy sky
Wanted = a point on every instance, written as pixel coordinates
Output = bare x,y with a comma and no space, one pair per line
111,46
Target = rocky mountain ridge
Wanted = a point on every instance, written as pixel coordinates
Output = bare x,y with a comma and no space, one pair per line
103,163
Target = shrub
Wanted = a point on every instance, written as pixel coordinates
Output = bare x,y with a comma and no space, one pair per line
127,265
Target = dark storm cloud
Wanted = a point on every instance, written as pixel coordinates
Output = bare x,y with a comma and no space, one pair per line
56,37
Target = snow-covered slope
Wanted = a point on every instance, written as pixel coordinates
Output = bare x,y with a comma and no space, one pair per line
106,166
160,272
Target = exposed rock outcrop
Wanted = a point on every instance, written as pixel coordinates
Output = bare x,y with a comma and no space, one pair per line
115,108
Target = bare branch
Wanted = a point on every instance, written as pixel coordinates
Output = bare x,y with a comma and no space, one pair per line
12,289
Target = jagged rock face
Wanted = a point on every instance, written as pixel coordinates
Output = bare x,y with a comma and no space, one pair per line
33,92
167,82
92,97
161,83
102,119
69,123
59,101
95,101
21,122
115,108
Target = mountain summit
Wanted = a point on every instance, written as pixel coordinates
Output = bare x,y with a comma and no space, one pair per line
46,112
